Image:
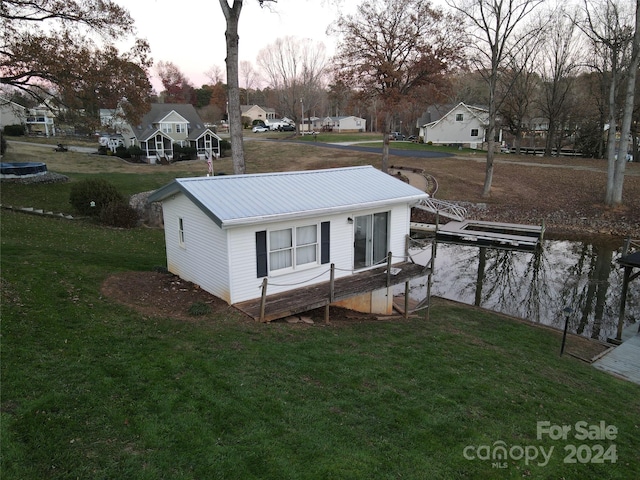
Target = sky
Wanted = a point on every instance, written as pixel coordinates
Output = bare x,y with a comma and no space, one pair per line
190,33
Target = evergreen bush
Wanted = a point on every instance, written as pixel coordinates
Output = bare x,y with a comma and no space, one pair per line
119,214
14,130
90,196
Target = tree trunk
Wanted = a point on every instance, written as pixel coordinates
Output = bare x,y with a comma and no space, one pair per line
385,143
491,134
548,144
232,16
623,146
611,139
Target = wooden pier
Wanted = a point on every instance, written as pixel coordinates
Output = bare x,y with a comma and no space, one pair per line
281,305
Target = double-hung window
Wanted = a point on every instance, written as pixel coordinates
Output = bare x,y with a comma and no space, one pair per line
166,128
459,117
288,249
293,247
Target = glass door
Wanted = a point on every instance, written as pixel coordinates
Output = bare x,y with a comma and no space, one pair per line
371,240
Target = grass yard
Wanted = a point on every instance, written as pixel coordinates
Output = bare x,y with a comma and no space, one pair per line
92,389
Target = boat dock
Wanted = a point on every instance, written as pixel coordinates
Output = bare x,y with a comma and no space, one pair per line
486,234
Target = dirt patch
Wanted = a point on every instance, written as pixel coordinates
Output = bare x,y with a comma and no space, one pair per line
159,294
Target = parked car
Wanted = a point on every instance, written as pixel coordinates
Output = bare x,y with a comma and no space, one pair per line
411,138
260,129
287,128
396,136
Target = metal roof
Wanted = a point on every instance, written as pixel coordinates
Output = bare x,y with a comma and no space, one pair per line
255,198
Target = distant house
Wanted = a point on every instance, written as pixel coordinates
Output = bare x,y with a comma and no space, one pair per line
256,112
163,126
343,124
41,120
229,233
11,113
462,125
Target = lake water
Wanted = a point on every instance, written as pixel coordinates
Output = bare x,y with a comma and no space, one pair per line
583,276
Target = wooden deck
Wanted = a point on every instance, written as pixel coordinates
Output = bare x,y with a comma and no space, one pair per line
624,360
303,299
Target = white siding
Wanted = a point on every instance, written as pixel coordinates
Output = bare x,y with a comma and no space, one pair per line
203,260
448,130
246,285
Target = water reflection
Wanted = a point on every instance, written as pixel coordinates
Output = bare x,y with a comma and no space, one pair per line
538,286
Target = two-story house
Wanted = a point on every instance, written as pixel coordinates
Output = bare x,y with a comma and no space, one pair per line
167,124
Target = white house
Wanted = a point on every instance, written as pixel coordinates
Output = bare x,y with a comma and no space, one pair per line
228,233
348,123
463,124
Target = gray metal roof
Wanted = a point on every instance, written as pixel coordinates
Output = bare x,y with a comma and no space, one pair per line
254,198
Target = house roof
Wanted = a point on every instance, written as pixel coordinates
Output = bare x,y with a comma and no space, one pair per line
478,112
159,111
231,200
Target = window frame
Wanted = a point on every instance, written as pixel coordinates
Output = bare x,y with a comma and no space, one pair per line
459,117
181,241
475,130
293,249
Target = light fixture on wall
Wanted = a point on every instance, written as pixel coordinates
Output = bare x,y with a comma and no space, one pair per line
349,220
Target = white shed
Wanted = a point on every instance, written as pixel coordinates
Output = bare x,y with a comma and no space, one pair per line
228,233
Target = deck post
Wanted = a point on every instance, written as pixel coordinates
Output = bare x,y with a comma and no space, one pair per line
332,283
388,269
263,299
406,299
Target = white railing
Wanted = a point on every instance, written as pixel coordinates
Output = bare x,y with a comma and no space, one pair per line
444,208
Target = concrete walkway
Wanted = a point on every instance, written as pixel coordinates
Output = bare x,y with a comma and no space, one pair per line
624,360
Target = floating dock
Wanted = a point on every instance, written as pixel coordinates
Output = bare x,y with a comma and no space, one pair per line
512,236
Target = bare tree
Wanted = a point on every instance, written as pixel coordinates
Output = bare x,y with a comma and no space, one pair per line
390,47
517,89
249,76
494,31
214,74
610,27
296,70
559,58
232,16
629,100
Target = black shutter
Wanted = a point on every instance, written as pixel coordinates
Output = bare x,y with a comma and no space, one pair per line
324,242
261,253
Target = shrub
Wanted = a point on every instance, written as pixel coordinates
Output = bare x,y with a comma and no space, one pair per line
183,153
119,214
136,152
122,152
14,130
90,196
199,308
225,145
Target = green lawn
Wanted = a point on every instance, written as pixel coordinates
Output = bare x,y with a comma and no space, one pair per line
93,390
